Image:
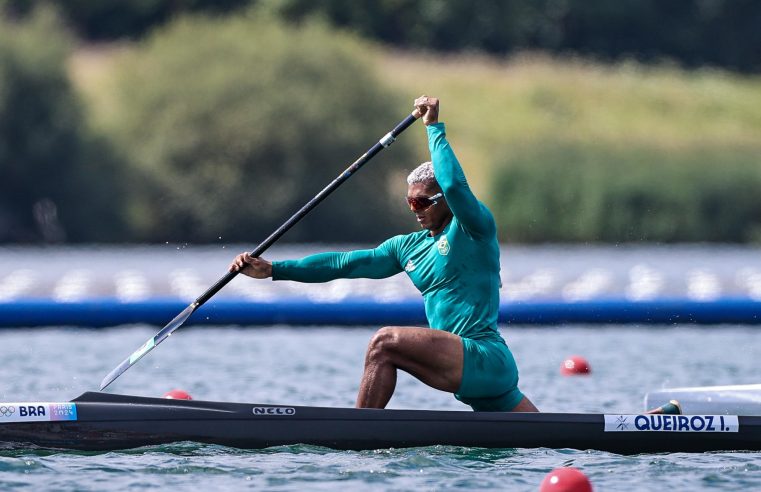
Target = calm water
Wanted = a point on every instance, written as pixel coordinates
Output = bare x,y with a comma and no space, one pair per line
322,366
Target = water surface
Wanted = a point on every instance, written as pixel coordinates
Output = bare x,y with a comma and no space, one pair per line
322,366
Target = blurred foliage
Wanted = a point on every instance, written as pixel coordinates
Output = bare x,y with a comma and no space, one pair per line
571,192
491,104
59,181
722,33
115,19
222,127
235,134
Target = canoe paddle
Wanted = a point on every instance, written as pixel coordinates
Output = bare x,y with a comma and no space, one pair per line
181,318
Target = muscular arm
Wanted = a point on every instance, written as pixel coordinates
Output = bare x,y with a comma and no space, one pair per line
379,262
471,213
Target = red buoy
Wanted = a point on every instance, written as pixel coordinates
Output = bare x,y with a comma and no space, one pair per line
566,479
178,394
574,366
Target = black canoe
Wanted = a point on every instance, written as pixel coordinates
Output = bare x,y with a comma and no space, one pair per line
101,421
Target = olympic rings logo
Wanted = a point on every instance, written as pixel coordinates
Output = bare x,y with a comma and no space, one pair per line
7,411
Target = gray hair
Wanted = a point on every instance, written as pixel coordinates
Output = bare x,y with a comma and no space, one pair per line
422,174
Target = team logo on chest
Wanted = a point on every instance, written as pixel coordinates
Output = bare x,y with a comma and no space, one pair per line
443,246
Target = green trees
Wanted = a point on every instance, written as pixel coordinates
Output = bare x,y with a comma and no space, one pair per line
693,32
52,167
564,192
222,126
721,33
215,128
234,123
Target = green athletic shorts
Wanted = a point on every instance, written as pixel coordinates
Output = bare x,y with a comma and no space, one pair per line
489,376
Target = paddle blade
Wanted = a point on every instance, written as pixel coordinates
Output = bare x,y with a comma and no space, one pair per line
149,345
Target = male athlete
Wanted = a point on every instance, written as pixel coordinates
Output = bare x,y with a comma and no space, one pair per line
454,263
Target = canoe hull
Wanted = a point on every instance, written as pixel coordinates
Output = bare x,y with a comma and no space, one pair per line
110,422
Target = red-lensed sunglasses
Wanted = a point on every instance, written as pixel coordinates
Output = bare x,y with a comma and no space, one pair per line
420,203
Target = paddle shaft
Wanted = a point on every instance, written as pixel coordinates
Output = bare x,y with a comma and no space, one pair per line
387,140
181,318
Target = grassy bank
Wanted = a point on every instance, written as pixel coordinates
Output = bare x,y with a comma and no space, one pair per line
491,105
652,153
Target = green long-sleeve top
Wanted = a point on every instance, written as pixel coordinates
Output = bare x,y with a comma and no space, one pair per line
457,271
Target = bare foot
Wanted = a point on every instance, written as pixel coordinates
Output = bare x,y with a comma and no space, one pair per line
671,408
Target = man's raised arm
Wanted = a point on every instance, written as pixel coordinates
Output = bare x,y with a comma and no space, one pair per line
472,214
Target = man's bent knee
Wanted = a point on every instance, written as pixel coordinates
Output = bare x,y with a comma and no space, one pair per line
383,343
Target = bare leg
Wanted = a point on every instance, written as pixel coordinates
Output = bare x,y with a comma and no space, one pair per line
673,407
435,357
